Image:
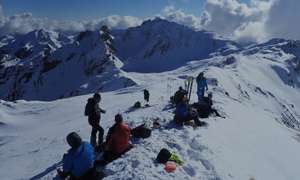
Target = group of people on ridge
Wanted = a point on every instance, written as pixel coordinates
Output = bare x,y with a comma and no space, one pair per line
185,112
80,161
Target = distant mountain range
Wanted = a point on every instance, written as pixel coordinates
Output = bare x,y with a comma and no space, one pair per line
46,65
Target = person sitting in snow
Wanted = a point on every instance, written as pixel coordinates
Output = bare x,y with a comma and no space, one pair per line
117,140
78,163
204,107
184,113
201,86
93,111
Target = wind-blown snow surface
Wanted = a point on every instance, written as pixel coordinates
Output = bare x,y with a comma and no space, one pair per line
258,139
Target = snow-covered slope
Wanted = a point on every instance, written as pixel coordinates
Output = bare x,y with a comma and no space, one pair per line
257,89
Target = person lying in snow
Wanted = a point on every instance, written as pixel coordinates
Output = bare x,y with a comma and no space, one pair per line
117,140
204,107
184,113
78,163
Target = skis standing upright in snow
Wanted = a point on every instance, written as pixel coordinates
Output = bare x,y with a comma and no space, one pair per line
189,85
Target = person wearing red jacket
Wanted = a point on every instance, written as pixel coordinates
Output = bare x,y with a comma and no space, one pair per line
117,140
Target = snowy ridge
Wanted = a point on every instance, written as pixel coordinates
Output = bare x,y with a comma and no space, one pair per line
259,138
78,67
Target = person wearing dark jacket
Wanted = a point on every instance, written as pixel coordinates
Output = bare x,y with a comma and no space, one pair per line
204,107
93,111
179,95
146,95
117,140
78,163
184,113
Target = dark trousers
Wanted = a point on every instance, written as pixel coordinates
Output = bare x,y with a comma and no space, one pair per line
110,156
89,175
188,118
96,130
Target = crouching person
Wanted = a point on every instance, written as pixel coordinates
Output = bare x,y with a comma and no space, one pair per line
117,140
184,113
78,163
205,107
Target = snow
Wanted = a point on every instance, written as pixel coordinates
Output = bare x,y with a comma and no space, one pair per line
252,142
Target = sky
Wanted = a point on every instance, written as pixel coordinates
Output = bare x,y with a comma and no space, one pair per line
241,20
88,9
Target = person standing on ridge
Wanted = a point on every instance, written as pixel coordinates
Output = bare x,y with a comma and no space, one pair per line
93,111
201,86
146,96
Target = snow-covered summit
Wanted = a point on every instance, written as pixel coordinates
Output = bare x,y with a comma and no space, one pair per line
159,45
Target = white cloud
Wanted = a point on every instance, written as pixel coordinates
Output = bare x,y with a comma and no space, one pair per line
177,15
261,20
232,17
23,23
257,21
283,19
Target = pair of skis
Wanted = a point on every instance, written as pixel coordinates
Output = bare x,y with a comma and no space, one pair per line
189,86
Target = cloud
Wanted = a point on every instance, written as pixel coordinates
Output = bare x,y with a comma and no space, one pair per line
258,20
283,19
177,15
26,22
236,19
230,18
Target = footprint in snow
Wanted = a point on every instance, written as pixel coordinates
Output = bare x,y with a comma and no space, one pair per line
189,170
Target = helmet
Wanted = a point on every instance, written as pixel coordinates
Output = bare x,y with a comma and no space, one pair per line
118,118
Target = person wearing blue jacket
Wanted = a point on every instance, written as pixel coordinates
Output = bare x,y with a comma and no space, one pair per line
184,113
201,86
78,163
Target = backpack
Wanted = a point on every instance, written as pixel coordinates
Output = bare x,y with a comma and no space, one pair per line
88,107
137,105
163,156
141,132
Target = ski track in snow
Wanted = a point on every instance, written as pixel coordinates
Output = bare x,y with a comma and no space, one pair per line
249,143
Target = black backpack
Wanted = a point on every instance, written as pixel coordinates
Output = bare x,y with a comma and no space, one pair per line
163,156
137,105
88,107
141,132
